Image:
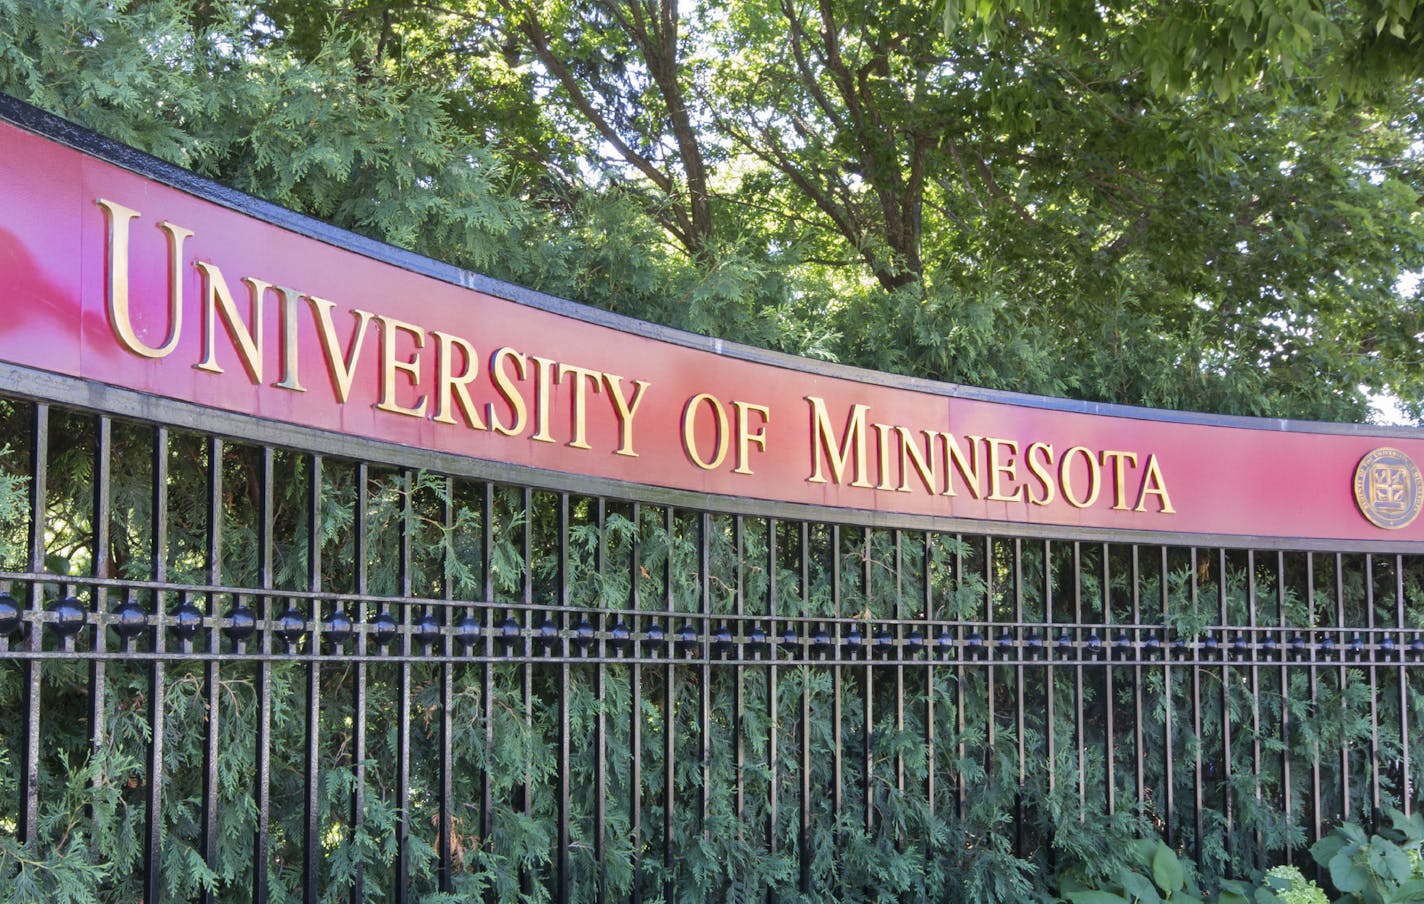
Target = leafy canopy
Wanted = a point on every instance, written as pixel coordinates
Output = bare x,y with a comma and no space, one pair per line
1205,206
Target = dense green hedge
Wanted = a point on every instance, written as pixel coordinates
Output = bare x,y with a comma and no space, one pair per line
1008,842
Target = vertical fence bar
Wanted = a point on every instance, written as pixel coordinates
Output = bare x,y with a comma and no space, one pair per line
898,652
868,710
961,789
669,711
1139,733
444,836
1281,647
211,674
39,490
152,840
1050,681
487,667
402,866
1198,798
1371,648
837,795
1317,823
1406,777
739,753
526,667
359,551
704,719
1080,737
635,711
600,725
804,829
991,727
1254,673
1225,651
561,855
311,852
99,637
1109,727
771,685
260,844
931,641
1020,689
1168,701
1341,682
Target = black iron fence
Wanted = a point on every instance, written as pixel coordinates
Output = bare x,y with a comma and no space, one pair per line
231,669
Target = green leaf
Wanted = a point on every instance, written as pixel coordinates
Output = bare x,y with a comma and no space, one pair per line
1167,870
1096,897
1353,833
1386,859
1411,827
1139,889
1347,876
953,13
1326,848
1143,850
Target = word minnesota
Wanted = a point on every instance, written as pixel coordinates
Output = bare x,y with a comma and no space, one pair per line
890,457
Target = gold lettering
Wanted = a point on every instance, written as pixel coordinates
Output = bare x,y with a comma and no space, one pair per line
341,367
580,407
390,364
543,401
508,391
745,437
924,464
291,306
689,431
624,410
1065,477
883,432
1120,461
1154,485
852,441
450,385
968,469
1038,470
246,337
1009,468
118,218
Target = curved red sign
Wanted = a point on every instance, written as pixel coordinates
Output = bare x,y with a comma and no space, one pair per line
115,277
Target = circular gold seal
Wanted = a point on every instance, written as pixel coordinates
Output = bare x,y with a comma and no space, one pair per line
1389,488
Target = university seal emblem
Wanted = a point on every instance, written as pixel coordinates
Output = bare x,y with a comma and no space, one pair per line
1389,488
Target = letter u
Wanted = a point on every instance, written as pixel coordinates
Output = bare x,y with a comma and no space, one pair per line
117,289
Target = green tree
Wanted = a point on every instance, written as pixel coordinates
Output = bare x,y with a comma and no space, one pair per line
1210,207
1202,207
1101,201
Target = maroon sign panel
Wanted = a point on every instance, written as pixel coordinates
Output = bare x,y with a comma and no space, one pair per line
117,278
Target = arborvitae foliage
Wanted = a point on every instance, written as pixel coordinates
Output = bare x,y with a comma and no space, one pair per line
982,836
1092,200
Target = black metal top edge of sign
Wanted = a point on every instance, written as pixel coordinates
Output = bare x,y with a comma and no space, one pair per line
48,125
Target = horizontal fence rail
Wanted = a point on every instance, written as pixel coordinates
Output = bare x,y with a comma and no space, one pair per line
491,631
325,677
